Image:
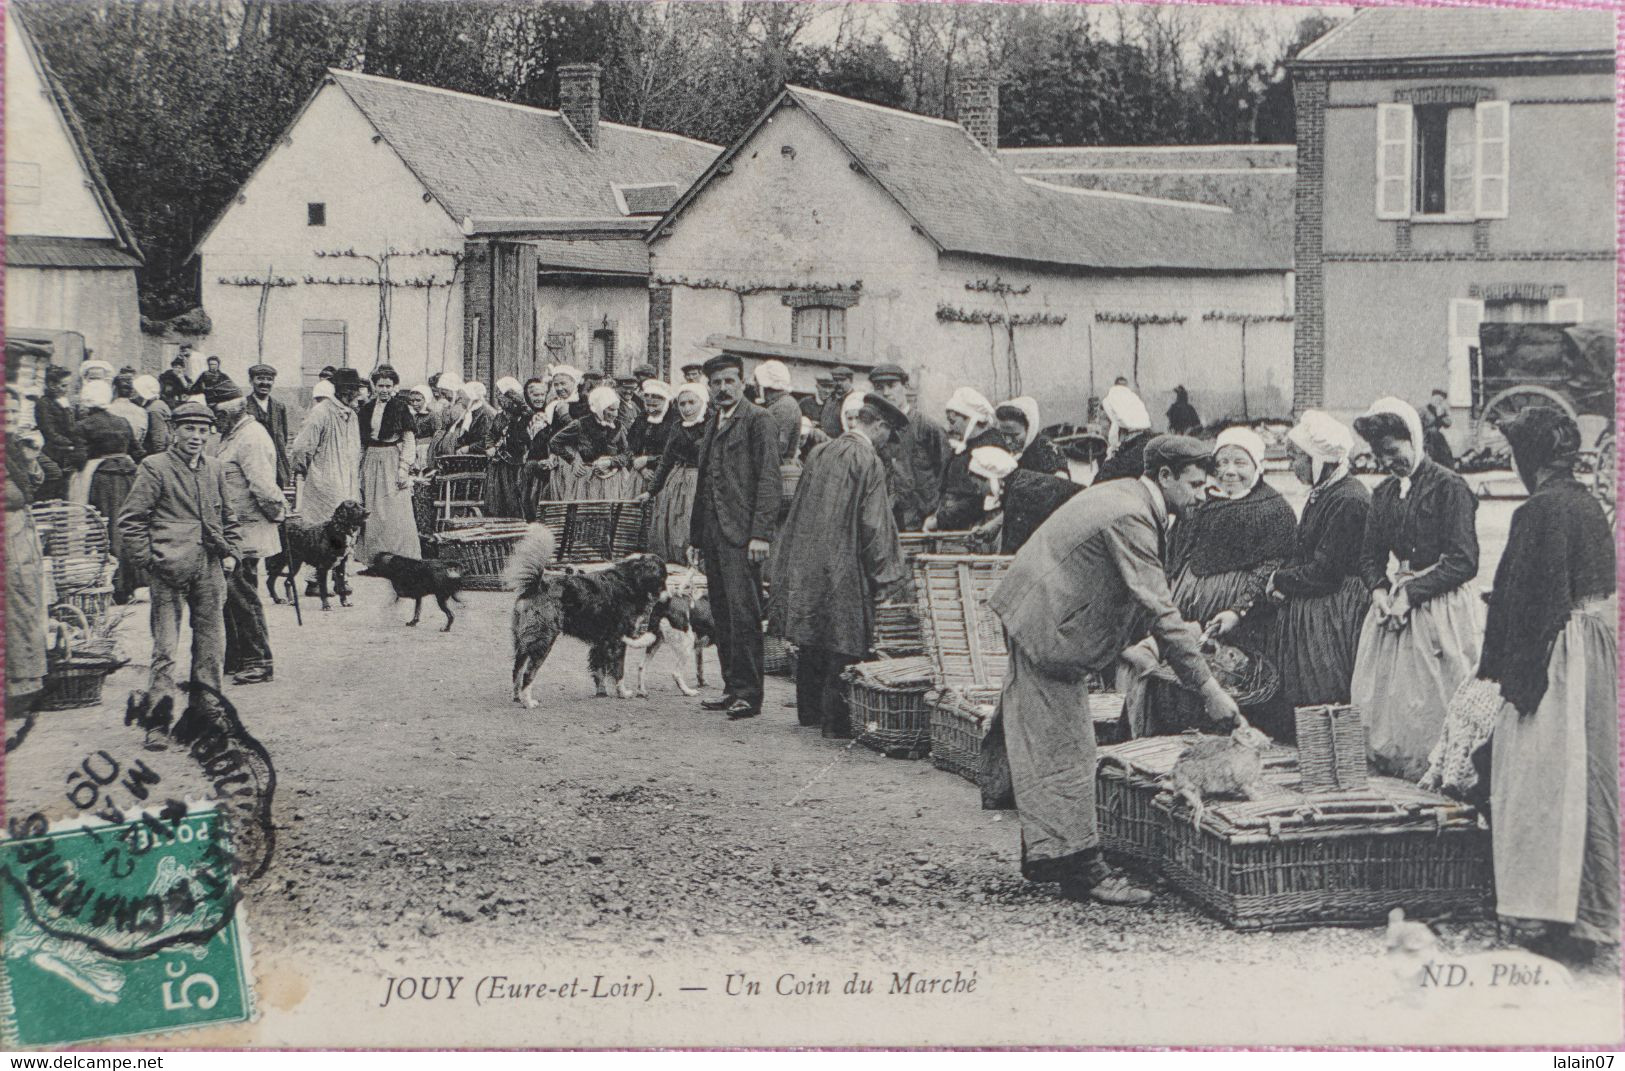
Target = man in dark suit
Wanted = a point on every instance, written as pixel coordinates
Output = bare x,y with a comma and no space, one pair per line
274,415
736,504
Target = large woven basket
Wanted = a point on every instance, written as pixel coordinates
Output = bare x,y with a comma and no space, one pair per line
776,660
596,531
959,721
887,703
1331,748
1248,679
481,549
961,632
69,530
95,603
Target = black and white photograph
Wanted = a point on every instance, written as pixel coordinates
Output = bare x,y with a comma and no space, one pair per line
760,524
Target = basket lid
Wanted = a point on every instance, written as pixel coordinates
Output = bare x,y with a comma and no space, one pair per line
1153,757
1385,805
907,672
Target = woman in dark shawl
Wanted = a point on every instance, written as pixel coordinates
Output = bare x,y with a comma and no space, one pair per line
1421,637
1317,627
592,461
505,481
1551,640
1220,560
1018,423
109,447
677,475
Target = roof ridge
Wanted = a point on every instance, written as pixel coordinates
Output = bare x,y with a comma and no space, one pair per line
1156,170
878,107
1115,196
1258,147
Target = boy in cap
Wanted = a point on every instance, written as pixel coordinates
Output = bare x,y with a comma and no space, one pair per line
736,507
272,415
917,456
178,528
841,517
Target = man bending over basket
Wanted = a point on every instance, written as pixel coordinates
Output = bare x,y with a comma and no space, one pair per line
1086,585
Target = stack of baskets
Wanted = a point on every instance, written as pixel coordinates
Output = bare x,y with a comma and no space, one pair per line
898,632
596,531
74,540
455,491
481,547
78,660
1331,748
888,708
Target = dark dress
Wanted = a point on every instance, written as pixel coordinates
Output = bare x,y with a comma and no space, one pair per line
1317,629
1041,456
505,475
576,446
962,505
1029,499
671,493
1129,461
62,447
109,438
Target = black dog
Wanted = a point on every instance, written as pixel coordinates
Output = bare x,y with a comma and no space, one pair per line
417,580
326,547
605,609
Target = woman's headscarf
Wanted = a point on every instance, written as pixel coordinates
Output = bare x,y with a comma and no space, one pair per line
451,383
1413,427
696,390
96,394
424,391
994,464
660,390
322,389
1249,441
851,406
1029,409
977,410
146,388
772,375
1126,413
90,371
507,385
603,400
1327,441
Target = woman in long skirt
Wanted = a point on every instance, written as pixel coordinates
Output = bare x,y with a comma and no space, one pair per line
25,579
593,461
109,447
672,489
505,476
1221,558
1420,638
1317,628
1552,642
389,446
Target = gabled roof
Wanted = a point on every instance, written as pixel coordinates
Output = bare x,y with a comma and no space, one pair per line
50,251
124,236
487,158
965,200
1419,33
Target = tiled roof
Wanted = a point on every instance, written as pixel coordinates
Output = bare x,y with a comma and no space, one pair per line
1407,33
649,200
967,201
43,251
623,257
1210,159
488,158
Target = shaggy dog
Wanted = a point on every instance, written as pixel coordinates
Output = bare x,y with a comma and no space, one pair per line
682,624
325,546
603,609
417,580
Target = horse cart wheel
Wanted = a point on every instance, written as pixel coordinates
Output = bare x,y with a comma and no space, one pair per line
1508,404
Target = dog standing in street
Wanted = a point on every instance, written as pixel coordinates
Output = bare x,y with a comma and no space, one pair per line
604,609
417,580
324,547
680,623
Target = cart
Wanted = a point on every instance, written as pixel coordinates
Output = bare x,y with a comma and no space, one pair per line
1567,366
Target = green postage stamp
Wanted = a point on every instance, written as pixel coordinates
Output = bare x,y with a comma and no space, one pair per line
113,930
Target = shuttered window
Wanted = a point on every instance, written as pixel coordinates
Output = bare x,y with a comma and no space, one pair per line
1393,161
1494,140
1446,161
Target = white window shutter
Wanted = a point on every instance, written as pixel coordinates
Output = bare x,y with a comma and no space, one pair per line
1565,311
1394,148
1465,316
1494,142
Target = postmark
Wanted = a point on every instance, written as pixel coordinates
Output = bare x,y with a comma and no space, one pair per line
116,929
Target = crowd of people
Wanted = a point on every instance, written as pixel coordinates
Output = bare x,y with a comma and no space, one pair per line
1129,574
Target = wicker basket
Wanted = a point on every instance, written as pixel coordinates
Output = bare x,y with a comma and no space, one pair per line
596,531
68,530
888,708
962,633
959,721
1331,748
916,543
95,603
1294,860
1256,680
72,684
1128,778
482,549
776,656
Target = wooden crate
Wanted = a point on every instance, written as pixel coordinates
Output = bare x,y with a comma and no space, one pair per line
962,633
596,531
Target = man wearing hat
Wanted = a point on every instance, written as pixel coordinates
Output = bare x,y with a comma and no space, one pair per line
178,528
916,458
813,404
736,507
694,371
1087,585
211,378
836,555
249,460
64,454
327,452
174,385
272,415
829,417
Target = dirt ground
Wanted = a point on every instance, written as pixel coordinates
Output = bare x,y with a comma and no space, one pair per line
420,814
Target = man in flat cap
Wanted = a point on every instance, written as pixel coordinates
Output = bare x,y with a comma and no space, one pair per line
917,458
829,417
249,460
178,527
694,371
836,555
813,404
1087,585
272,415
736,508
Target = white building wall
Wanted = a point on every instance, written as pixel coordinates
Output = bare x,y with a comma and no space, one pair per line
578,310
102,305
374,204
805,218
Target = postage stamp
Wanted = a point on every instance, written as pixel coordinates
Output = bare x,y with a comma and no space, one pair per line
115,930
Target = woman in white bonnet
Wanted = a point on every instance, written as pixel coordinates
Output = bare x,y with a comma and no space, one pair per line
677,475
1317,630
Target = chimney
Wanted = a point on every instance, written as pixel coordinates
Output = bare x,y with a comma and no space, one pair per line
978,107
578,99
